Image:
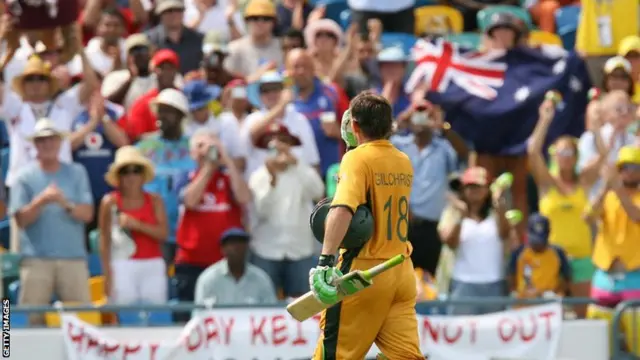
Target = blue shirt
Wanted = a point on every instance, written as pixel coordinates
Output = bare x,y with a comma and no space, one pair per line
431,168
54,234
323,99
172,161
401,104
97,152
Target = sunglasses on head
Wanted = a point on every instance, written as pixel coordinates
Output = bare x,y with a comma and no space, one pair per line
259,18
328,34
267,88
630,167
33,78
131,169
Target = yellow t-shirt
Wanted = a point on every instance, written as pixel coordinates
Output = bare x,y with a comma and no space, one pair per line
542,270
622,17
568,230
380,176
636,93
618,236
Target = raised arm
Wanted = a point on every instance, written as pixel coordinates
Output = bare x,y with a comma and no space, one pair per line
537,163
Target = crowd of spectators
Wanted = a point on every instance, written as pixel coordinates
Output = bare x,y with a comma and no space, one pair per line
192,138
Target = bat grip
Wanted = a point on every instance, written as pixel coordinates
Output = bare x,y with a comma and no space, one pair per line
380,268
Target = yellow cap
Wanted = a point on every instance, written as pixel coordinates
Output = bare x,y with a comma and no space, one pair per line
617,62
260,8
628,155
629,44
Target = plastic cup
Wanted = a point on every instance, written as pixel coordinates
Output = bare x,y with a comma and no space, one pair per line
514,217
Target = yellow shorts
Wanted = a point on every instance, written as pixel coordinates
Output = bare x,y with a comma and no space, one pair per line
383,314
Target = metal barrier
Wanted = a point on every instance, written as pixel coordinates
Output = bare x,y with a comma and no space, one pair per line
618,335
421,307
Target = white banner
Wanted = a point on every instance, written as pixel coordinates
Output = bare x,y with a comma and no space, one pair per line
531,333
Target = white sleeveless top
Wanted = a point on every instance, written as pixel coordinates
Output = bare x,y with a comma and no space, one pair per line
479,257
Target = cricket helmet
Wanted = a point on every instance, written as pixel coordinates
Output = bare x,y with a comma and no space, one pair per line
359,232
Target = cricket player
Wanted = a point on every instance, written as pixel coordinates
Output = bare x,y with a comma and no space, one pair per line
377,175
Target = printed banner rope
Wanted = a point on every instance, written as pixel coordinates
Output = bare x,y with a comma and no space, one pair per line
531,333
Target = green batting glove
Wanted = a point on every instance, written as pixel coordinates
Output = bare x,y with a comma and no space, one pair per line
346,131
321,281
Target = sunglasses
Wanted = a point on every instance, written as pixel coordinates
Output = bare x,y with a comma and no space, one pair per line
625,109
328,34
630,167
34,78
131,170
138,50
565,153
270,88
259,19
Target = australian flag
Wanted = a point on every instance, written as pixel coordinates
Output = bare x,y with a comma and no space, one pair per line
492,98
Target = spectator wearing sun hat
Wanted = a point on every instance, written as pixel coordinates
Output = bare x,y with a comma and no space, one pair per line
284,189
133,225
171,33
629,47
125,86
140,120
234,100
393,63
226,128
168,149
259,48
275,106
51,202
617,76
324,38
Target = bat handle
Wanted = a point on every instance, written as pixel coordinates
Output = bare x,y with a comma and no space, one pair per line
376,270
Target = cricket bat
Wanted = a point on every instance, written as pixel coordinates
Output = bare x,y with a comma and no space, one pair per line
307,305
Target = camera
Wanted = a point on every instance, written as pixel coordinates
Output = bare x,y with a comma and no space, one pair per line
212,153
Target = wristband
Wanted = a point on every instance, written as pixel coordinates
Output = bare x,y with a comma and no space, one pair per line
326,260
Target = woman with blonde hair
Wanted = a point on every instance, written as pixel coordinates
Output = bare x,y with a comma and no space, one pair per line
563,193
133,226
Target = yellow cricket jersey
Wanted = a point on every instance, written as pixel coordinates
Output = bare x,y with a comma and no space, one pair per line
380,176
603,23
618,237
568,229
543,270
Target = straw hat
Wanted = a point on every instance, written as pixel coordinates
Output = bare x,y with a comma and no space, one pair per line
35,66
128,155
46,128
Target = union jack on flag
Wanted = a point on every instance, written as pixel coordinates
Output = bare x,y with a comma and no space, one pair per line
441,63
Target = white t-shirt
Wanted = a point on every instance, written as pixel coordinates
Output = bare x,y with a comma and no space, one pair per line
62,112
99,60
479,257
214,18
297,124
227,129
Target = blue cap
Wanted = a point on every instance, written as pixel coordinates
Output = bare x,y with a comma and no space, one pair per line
236,233
538,229
200,94
253,89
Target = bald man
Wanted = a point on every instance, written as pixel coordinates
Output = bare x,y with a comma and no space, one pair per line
319,102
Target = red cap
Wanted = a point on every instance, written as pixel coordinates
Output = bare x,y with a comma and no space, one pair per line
165,55
476,175
277,130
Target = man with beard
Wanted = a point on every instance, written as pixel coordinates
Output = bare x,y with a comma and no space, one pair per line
434,158
170,152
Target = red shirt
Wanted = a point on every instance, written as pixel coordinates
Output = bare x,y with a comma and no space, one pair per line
140,119
130,25
146,246
342,106
199,229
